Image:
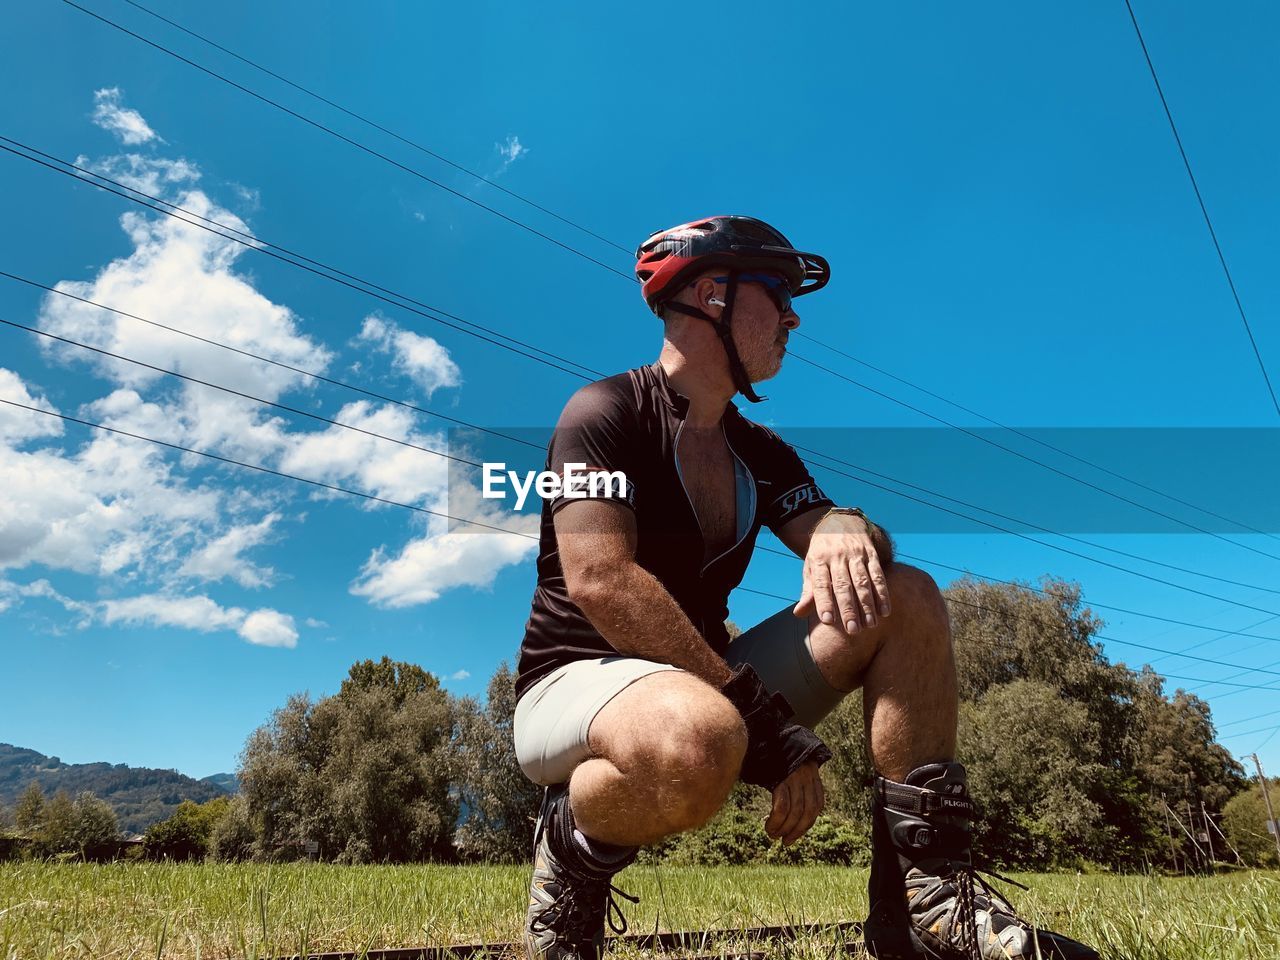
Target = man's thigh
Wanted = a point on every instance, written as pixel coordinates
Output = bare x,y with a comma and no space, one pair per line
553,719
780,650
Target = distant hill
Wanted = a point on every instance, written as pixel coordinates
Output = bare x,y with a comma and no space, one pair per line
140,796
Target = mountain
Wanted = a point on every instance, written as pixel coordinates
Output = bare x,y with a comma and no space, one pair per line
140,796
228,782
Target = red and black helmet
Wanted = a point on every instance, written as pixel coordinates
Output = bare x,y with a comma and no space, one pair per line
669,259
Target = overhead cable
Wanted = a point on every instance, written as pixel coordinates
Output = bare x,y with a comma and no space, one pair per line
1204,210
348,140
382,129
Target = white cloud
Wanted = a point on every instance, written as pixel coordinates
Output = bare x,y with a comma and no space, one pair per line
110,506
421,358
151,175
269,628
510,151
442,560
222,557
460,675
345,457
264,627
182,276
19,425
160,610
126,123
130,512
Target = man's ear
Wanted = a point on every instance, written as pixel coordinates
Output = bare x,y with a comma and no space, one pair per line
704,291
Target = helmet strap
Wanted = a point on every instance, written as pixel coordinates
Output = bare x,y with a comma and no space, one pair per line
725,331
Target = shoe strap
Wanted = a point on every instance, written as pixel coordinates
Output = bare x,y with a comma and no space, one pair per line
922,801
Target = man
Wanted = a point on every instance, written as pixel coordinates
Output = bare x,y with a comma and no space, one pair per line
637,712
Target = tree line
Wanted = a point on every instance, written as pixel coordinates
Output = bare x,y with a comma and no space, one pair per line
1074,761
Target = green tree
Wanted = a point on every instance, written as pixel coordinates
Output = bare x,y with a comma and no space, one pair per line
57,833
499,801
364,774
96,828
28,815
232,838
186,834
1036,772
1244,821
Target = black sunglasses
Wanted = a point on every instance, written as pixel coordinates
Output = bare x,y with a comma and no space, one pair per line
777,287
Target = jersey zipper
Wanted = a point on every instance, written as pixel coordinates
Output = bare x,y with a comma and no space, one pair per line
688,499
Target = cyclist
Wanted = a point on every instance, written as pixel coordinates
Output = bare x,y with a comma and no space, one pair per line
634,708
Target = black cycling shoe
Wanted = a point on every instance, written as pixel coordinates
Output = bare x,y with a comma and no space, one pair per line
571,896
927,900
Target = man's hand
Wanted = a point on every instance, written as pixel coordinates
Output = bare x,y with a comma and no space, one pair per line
797,801
843,579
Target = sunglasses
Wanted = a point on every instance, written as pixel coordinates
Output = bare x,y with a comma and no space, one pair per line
778,288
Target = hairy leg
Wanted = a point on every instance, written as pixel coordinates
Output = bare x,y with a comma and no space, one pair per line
907,670
666,753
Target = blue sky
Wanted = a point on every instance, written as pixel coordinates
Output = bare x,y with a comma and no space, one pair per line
1008,220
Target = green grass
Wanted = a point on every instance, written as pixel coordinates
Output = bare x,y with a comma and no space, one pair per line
216,910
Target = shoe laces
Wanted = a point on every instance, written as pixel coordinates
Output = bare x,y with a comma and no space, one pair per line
584,904
970,884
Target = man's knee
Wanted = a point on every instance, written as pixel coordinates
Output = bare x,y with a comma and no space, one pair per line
915,597
686,742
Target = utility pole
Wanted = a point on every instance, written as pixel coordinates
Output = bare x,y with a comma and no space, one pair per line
1266,797
1173,851
1208,834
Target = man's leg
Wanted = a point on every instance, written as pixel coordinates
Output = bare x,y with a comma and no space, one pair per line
924,899
666,754
632,752
907,672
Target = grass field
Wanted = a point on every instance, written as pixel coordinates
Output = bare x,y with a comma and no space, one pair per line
216,910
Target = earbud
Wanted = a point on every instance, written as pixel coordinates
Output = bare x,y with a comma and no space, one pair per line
718,303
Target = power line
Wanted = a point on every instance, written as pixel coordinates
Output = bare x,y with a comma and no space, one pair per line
1248,686
379,127
261,247
361,390
1246,733
367,496
348,140
240,393
1259,716
1027,436
1102,606
579,253
267,470
1022,456
479,177
317,267
277,363
1054,546
1003,516
1204,210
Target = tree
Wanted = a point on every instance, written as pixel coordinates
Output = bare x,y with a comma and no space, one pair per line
186,834
1244,821
499,801
363,774
28,815
57,833
232,838
96,828
1035,768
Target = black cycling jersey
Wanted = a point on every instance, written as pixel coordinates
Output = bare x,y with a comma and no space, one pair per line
631,423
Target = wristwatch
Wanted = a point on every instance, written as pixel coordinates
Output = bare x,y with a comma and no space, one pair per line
847,512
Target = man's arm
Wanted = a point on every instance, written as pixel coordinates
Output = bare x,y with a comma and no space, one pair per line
596,540
845,557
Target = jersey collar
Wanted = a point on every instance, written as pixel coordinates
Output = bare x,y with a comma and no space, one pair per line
677,402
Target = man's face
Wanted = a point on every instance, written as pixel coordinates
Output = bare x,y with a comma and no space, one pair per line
760,330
